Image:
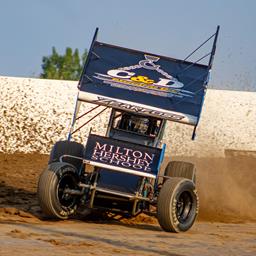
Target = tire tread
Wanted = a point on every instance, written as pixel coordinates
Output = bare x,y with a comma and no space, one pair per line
181,169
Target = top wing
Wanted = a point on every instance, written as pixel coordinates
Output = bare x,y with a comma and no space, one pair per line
144,83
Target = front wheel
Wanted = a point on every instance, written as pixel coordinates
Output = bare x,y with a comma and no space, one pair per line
177,205
53,186
181,169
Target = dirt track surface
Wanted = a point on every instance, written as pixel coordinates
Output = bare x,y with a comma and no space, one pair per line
226,224
81,238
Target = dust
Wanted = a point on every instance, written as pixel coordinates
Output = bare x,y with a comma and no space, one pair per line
227,188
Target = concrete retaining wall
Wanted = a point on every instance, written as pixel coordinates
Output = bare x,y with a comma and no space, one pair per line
35,113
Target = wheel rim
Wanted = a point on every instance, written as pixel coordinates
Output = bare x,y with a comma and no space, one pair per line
184,206
66,200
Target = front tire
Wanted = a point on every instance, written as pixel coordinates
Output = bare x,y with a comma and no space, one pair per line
53,182
181,169
67,148
177,205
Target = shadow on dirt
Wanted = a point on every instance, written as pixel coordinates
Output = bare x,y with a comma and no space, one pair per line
18,204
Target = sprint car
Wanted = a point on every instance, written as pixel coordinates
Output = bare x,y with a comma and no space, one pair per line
120,171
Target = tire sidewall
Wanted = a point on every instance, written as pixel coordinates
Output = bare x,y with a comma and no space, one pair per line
60,210
184,186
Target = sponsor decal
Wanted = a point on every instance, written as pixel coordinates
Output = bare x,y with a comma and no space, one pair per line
122,154
140,110
126,78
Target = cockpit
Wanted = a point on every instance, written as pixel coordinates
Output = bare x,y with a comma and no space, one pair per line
130,127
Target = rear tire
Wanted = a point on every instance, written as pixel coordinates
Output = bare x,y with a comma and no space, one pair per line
177,205
54,202
181,169
67,148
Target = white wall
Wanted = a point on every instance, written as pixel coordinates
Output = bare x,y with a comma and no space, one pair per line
35,113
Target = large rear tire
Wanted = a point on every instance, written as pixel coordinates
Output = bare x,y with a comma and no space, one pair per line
67,148
177,205
181,169
53,182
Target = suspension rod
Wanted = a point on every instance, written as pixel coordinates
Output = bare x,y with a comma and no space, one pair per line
89,120
87,112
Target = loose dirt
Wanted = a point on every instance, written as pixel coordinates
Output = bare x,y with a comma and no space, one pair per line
226,223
